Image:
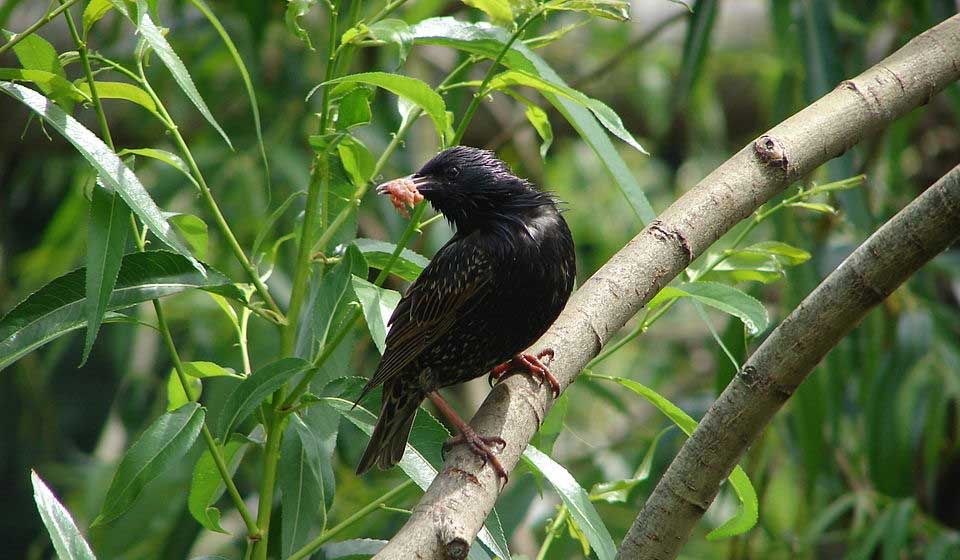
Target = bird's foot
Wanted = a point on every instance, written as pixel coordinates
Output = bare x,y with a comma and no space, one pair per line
533,365
481,446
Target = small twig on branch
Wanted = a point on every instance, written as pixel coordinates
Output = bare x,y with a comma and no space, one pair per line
458,501
914,236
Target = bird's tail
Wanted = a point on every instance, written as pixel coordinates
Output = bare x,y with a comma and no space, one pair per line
389,437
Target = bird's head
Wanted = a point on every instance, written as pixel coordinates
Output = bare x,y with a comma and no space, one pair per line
469,186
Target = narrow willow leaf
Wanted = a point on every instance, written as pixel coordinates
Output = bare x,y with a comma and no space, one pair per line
720,296
301,492
247,83
409,88
378,305
747,517
617,10
415,462
171,159
154,37
165,442
607,117
106,240
94,12
194,232
35,53
814,207
357,160
57,87
395,32
59,307
206,485
486,40
109,168
537,118
66,538
176,395
576,500
353,109
352,548
695,46
122,90
377,253
328,305
499,11
785,253
255,389
296,9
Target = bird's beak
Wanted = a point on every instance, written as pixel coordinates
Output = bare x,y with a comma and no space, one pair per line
404,191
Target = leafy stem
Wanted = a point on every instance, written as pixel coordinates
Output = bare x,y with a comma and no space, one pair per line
47,18
713,261
553,530
207,196
480,93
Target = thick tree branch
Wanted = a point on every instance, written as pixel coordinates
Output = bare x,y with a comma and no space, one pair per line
455,505
765,382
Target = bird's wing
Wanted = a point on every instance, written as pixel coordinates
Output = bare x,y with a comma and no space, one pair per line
455,281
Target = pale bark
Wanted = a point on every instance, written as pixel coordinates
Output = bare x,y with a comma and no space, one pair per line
458,501
914,236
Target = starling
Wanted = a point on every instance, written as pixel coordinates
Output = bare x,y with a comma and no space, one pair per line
490,292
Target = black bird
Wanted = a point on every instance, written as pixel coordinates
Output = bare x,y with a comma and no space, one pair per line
490,292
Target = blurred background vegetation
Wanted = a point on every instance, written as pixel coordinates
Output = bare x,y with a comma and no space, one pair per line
864,462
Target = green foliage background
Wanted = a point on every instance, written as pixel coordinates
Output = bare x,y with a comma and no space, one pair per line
862,463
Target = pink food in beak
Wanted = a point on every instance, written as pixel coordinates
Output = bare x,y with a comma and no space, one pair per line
403,193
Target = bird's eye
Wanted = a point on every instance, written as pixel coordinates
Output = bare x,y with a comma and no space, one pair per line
453,172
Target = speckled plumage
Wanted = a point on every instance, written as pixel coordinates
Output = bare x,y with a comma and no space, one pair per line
491,291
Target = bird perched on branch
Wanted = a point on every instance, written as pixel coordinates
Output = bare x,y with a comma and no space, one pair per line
489,293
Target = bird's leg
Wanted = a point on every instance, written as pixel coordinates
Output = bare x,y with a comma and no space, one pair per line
533,365
481,446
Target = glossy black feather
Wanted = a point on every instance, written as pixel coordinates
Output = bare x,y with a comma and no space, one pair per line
488,294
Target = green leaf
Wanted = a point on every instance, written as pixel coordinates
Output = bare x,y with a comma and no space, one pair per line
94,11
176,396
783,252
154,37
164,443
121,90
247,82
617,10
206,485
410,89
255,389
106,241
537,118
66,538
607,117
110,169
486,40
296,9
377,253
747,517
417,462
194,231
59,307
300,492
814,207
378,305
552,425
357,160
744,266
719,296
35,53
576,500
353,109
171,159
352,548
395,32
498,10
59,88
328,305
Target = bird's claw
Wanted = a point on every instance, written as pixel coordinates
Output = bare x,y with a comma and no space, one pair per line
533,364
483,447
